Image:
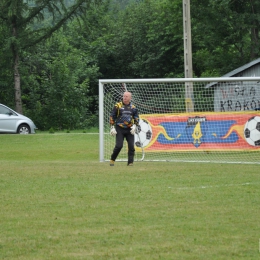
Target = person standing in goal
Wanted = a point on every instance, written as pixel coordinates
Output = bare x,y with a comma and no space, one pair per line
124,119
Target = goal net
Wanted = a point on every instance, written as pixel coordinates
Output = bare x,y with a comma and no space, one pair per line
187,120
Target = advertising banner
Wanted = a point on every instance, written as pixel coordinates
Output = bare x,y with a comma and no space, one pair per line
211,131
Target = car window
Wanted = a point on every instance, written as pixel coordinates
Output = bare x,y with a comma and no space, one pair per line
5,111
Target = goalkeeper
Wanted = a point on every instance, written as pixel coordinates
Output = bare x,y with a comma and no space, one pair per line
124,119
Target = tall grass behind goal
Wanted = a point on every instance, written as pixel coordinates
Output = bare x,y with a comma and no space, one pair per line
187,120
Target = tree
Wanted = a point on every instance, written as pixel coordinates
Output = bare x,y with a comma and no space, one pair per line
224,34
23,17
6,94
56,84
146,41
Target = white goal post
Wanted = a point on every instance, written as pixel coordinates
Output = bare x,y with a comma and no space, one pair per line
187,119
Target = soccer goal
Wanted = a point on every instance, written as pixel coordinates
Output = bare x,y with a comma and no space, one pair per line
187,119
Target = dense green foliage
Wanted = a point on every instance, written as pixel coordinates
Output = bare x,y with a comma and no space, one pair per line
59,69
30,23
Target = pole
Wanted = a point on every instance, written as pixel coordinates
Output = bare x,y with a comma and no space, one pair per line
187,56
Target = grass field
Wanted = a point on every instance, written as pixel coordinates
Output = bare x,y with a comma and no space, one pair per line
59,202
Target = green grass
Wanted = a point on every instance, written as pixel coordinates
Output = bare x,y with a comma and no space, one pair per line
59,202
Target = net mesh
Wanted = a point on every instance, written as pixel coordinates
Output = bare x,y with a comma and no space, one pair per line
189,121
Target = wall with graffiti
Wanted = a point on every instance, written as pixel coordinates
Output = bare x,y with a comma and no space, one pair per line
237,96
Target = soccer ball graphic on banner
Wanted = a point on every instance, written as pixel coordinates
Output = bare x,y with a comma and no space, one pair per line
143,134
252,131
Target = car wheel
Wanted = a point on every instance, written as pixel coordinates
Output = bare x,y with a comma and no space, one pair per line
24,129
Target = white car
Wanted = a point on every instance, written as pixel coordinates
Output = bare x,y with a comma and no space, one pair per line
13,122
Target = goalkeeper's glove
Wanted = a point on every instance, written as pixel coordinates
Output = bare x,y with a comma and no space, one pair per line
113,131
133,128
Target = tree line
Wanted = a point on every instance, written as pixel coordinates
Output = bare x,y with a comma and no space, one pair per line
54,52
